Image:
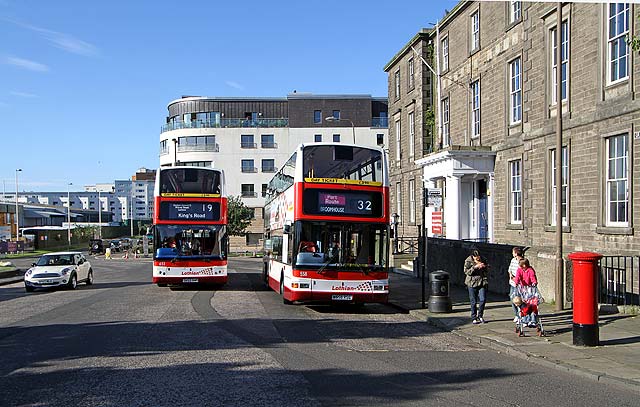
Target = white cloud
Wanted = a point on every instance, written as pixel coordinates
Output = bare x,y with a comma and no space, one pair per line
235,85
62,41
26,64
23,94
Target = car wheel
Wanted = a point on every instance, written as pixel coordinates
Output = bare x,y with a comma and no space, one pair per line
90,277
28,288
73,282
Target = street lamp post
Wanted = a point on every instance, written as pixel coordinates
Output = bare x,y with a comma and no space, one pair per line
336,119
99,215
69,215
17,210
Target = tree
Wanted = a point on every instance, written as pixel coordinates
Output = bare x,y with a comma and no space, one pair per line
239,216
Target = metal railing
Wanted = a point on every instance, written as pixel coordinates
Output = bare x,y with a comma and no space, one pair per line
269,145
249,169
620,280
198,147
268,169
406,245
248,145
249,194
206,124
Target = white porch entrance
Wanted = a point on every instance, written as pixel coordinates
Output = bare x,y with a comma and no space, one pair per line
466,176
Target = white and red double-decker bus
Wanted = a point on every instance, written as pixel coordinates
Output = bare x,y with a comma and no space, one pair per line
190,226
327,225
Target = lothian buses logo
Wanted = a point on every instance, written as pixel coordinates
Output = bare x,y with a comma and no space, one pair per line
367,286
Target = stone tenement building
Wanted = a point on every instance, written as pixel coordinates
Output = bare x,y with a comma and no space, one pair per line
495,107
411,122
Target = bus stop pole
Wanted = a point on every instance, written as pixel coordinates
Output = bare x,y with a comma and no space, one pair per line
424,235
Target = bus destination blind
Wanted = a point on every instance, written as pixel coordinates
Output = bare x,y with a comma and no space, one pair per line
345,203
198,211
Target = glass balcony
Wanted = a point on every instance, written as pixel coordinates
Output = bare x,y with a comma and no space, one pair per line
164,151
382,122
184,148
221,123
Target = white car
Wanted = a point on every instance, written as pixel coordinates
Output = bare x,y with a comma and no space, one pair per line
63,269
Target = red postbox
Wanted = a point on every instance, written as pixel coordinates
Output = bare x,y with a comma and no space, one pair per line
585,298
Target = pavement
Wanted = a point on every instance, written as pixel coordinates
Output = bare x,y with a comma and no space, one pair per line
614,361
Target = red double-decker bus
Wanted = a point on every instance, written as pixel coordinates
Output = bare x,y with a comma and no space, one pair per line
190,226
327,225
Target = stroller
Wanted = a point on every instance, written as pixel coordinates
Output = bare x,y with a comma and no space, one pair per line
527,300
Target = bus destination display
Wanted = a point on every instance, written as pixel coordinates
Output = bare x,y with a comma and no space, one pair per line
343,203
190,211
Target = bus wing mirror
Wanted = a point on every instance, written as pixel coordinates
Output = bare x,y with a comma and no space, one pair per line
287,229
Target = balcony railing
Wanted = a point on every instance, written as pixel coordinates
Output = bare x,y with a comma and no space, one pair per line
249,194
269,145
164,151
268,169
249,169
248,145
380,122
184,148
206,124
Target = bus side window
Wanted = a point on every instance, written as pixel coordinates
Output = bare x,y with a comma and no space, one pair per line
290,248
277,247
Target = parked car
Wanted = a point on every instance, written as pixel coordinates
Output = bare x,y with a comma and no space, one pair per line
61,269
115,245
96,246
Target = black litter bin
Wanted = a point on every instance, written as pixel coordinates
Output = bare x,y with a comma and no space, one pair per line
439,300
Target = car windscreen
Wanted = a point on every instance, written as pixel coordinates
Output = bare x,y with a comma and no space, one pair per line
55,260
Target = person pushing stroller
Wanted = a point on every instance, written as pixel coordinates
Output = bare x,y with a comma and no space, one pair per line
527,299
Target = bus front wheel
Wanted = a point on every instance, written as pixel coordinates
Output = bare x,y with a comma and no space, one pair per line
284,300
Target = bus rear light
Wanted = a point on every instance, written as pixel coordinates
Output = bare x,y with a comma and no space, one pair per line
294,285
386,287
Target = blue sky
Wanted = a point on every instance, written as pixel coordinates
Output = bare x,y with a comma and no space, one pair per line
84,85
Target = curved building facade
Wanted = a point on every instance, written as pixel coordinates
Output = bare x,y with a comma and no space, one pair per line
250,138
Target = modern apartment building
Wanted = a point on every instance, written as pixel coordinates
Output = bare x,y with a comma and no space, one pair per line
496,113
250,138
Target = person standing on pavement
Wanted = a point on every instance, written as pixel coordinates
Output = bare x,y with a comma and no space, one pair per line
516,252
477,282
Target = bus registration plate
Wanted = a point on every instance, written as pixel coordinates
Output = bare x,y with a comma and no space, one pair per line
342,297
189,280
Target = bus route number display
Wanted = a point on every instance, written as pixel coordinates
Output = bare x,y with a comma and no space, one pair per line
342,203
190,211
